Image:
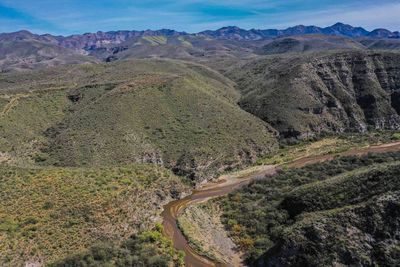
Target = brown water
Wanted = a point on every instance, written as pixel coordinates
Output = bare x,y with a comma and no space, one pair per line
298,163
223,186
228,183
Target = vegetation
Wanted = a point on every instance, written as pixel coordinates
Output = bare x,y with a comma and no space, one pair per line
396,136
149,248
76,143
131,111
89,152
221,48
261,217
48,212
290,150
362,234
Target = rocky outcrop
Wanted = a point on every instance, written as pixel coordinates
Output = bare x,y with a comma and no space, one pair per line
310,94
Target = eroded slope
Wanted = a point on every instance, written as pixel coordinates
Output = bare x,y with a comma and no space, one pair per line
304,95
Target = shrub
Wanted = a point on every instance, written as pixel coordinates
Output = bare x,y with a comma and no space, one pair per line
40,157
149,248
396,136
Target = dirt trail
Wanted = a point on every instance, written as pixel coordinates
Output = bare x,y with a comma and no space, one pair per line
228,183
13,102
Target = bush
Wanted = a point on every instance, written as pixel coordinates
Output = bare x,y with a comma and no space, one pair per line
396,136
40,157
149,248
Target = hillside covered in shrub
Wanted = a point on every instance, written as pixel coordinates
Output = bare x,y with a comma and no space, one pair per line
340,212
47,214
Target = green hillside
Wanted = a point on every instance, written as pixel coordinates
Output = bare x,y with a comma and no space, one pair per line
171,113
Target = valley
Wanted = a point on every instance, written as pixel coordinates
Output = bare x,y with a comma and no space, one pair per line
225,147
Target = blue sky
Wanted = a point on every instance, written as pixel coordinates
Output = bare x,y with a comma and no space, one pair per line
79,16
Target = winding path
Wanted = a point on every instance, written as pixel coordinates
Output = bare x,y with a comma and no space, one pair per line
13,102
228,183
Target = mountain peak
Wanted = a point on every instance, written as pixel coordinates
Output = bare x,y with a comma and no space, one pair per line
19,35
23,32
340,28
230,29
340,24
232,33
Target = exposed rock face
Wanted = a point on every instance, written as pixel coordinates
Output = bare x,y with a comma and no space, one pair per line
91,41
311,94
24,50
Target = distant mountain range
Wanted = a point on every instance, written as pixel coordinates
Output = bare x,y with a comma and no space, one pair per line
338,29
89,40
26,50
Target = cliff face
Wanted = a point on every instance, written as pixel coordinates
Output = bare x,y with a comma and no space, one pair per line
315,93
364,89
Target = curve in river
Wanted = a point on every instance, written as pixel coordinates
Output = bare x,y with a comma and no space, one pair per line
228,183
